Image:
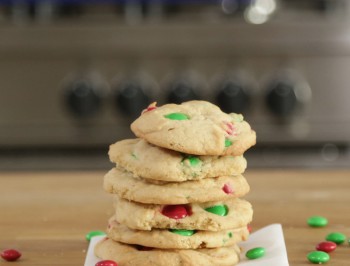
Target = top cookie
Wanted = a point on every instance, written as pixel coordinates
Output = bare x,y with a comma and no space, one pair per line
195,127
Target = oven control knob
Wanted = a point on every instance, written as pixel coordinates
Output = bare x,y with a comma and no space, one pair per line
131,98
281,98
182,91
232,97
83,98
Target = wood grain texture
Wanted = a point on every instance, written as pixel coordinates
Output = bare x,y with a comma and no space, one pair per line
46,215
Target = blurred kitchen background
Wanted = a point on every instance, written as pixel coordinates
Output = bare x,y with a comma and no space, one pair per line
74,74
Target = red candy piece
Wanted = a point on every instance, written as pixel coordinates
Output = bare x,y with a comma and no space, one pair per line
151,107
249,227
10,254
106,263
176,211
230,129
227,189
326,246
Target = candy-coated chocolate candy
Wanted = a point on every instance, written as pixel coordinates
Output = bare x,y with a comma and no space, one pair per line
249,227
326,246
10,254
318,257
227,188
317,221
106,263
336,237
228,143
176,211
94,233
192,161
255,253
177,116
151,107
183,232
220,210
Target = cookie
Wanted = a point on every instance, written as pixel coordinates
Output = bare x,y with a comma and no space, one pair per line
210,216
152,162
195,127
175,239
131,255
127,186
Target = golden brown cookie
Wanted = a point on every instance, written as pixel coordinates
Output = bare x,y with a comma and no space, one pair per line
210,216
131,255
151,162
118,181
195,127
175,238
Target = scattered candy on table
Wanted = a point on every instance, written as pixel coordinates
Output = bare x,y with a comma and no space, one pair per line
317,221
94,233
106,263
318,257
336,237
321,256
10,254
326,246
255,253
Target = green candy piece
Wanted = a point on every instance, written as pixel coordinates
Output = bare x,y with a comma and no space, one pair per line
317,221
230,235
177,116
255,253
228,143
220,210
318,257
192,160
336,237
94,233
183,232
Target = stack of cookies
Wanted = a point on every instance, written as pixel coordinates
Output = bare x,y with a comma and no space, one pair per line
177,188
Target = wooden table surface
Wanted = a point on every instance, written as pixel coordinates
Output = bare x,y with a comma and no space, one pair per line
46,215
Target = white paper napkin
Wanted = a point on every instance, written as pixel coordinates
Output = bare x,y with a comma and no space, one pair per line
270,237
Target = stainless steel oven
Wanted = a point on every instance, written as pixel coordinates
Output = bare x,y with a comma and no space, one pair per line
73,77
